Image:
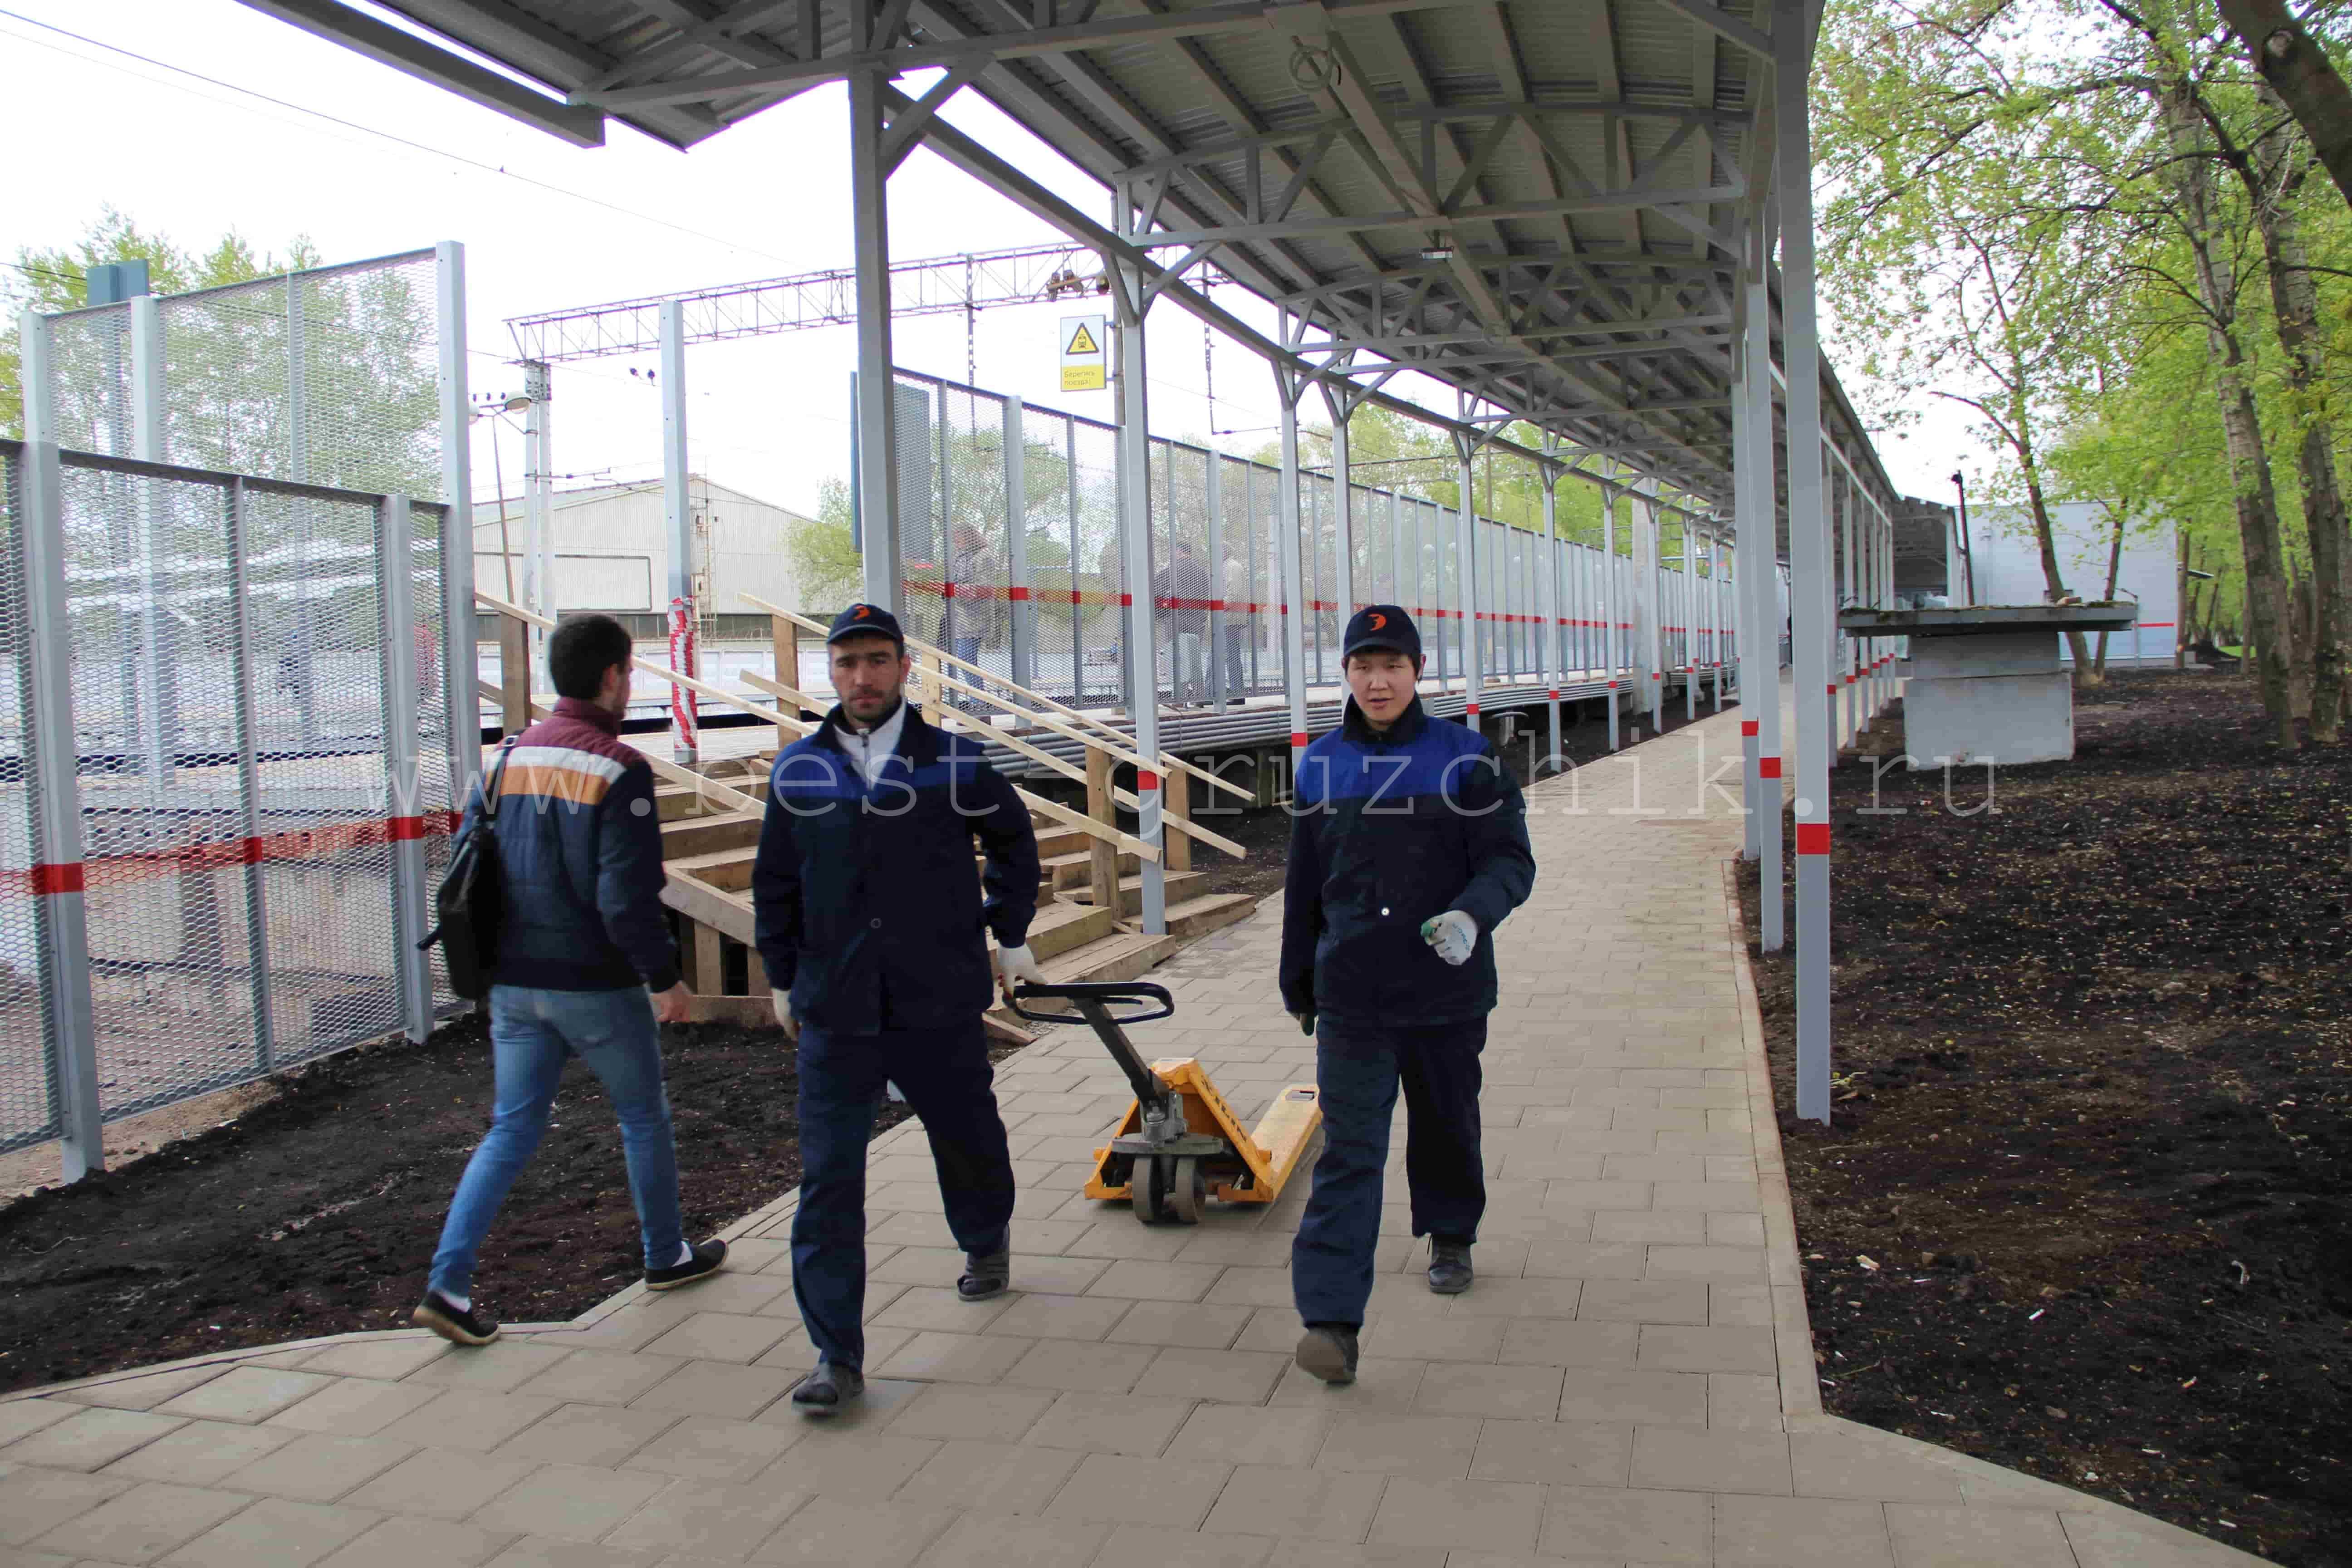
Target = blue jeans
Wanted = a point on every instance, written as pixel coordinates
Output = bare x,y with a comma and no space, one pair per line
948,1081
532,1033
1358,1071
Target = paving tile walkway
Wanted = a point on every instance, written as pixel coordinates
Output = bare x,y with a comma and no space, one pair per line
1630,1382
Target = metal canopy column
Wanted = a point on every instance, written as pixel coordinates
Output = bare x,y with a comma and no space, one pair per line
1289,389
1809,552
1343,512
876,426
1554,663
678,515
1760,675
1609,495
460,661
538,503
1466,570
1137,643
61,926
1019,592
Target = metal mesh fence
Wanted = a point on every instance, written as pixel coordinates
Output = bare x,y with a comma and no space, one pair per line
238,850
1044,610
229,671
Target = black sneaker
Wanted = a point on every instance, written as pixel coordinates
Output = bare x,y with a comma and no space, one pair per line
709,1256
824,1391
1328,1351
459,1325
985,1275
1449,1267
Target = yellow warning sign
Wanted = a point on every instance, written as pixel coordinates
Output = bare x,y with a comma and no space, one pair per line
1082,360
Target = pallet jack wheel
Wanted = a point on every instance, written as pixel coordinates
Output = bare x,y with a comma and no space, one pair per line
1190,1193
1152,1187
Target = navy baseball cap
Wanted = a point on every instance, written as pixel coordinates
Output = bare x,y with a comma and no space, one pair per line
861,620
1382,626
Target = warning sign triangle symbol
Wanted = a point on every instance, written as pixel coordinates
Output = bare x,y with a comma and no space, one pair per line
1083,343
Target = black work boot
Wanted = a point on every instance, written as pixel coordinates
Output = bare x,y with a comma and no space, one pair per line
1449,1267
706,1258
824,1391
985,1275
458,1325
1328,1351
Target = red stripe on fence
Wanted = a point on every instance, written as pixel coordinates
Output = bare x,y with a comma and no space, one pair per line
1768,767
1812,838
55,878
1748,726
1145,780
1298,740
224,854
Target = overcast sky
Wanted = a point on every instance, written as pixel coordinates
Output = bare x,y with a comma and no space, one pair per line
768,197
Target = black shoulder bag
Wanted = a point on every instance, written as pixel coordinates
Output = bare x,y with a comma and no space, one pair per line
472,896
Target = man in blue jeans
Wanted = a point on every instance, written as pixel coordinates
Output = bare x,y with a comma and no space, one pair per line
585,967
1408,845
871,925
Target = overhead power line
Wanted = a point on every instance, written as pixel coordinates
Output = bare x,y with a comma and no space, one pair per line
429,151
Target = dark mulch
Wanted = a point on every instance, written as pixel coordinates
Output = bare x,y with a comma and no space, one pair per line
2094,1065
317,1213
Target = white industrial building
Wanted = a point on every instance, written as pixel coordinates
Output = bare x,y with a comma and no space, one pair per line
612,548
2008,564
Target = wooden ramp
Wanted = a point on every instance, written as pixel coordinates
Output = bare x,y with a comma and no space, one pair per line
708,843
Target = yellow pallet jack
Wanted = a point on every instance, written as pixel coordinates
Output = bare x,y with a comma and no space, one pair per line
1179,1143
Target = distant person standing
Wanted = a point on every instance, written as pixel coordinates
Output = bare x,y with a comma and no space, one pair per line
1238,622
585,968
1408,847
1181,589
871,925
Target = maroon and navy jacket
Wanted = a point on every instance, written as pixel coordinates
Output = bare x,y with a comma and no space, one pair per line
580,846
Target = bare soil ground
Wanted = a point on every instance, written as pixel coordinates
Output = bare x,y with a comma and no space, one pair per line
2083,1209
316,1212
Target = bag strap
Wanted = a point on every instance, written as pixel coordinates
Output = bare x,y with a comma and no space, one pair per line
495,780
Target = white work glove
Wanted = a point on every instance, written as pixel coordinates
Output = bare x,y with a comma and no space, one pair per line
1017,964
1452,935
784,1020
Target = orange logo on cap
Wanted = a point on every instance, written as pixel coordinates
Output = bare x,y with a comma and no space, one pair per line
863,611
1378,620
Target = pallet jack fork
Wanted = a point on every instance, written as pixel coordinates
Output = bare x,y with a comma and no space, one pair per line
1179,1143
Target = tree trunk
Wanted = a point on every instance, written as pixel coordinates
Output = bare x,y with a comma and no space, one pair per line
2115,567
2250,470
2295,300
2297,69
2030,467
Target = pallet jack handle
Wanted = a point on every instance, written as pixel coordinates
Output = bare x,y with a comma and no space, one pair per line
1094,1003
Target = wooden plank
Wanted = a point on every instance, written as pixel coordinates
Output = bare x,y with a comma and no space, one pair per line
514,675
784,638
1041,715
710,961
700,902
958,724
757,973
1103,872
760,710
1176,812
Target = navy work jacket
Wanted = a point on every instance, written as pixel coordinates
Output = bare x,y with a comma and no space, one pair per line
1387,831
865,903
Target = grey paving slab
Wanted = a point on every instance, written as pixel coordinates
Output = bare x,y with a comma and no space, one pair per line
1629,1384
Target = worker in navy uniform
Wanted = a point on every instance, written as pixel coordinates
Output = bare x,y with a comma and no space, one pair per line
872,927
1408,847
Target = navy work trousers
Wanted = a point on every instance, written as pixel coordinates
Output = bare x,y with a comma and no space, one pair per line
948,1080
1359,1069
